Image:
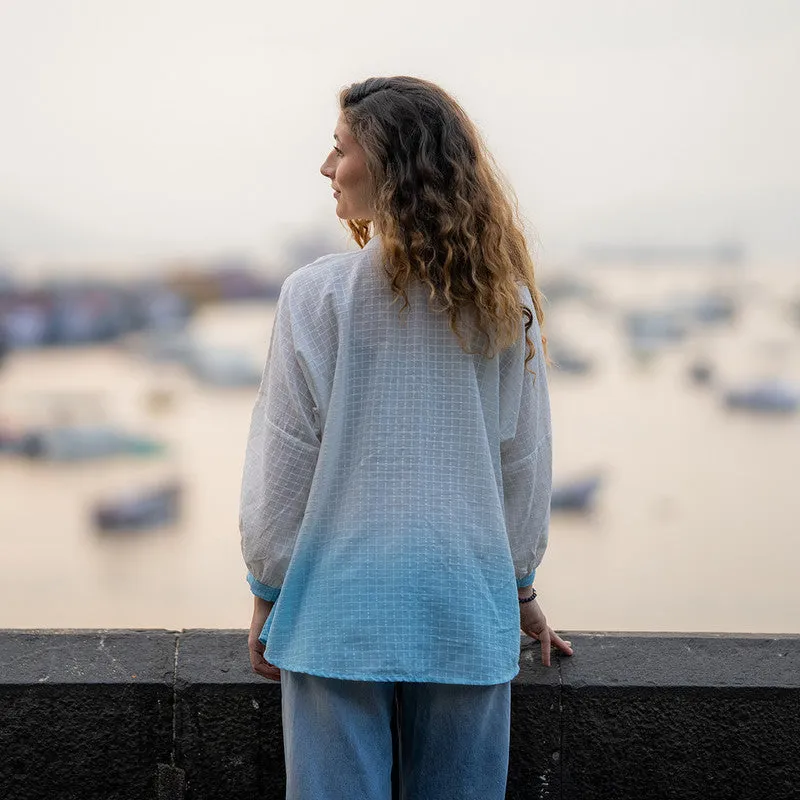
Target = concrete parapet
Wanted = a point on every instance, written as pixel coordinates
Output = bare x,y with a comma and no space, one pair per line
167,715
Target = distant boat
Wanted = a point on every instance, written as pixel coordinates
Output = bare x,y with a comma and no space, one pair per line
5,345
25,321
83,442
567,359
705,309
155,307
767,396
578,495
175,346
700,371
148,508
660,325
9,442
225,367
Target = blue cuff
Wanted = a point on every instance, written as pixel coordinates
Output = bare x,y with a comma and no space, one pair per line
527,581
261,590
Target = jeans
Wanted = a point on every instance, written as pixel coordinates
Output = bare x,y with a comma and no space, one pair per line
452,741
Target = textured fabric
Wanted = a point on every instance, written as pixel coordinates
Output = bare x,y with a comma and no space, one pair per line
396,489
337,735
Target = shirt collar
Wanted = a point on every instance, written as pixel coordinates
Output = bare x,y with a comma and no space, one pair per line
373,243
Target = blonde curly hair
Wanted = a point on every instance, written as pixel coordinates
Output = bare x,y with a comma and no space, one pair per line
445,212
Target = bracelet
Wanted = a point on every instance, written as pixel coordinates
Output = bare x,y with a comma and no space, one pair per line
528,599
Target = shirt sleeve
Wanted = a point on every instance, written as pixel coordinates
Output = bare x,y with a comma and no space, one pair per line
280,458
526,456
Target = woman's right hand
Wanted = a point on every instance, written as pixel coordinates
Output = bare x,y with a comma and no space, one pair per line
262,667
533,624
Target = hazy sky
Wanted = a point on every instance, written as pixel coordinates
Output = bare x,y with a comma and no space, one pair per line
148,127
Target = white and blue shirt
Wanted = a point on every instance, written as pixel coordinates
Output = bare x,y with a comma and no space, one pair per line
396,489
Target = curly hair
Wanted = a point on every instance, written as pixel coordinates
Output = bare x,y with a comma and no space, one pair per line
445,212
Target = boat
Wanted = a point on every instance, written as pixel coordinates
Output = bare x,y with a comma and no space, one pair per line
148,508
167,346
660,325
577,495
567,359
84,442
767,396
10,442
700,371
707,308
222,366
649,332
5,344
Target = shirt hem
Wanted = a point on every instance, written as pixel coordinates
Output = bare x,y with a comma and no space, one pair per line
406,677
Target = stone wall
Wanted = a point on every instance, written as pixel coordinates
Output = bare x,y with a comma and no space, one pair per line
164,715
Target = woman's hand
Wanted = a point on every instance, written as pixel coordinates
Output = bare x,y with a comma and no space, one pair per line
261,610
533,623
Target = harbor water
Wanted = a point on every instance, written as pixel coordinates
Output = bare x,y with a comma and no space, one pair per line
696,525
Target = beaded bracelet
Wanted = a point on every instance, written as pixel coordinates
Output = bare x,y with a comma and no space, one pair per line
528,599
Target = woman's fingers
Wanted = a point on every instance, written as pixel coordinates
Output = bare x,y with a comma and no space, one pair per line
261,666
549,639
544,638
267,670
561,644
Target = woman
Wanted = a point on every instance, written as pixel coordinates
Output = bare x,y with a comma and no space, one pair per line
395,498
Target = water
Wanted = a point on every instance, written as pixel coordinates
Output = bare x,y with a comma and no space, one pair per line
696,527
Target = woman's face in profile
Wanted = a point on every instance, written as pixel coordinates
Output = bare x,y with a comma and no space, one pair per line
346,169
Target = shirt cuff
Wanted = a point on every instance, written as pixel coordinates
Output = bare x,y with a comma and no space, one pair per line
526,581
269,593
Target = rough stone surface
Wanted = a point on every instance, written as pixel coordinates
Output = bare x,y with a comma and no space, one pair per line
534,769
84,715
153,714
681,716
229,735
685,659
171,783
136,657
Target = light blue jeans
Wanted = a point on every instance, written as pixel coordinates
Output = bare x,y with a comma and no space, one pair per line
337,738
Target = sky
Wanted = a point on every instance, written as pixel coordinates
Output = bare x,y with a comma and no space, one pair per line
134,129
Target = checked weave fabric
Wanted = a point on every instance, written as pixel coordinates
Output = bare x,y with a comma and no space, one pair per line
396,490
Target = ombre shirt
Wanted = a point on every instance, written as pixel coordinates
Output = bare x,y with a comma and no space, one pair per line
396,490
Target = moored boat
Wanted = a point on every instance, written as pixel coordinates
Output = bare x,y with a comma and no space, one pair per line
149,508
577,495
